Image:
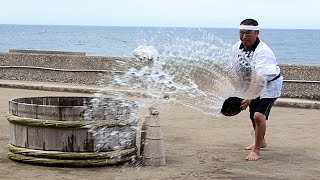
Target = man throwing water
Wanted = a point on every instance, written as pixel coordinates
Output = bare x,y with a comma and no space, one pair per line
265,64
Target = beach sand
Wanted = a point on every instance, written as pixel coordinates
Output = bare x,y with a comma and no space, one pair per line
197,146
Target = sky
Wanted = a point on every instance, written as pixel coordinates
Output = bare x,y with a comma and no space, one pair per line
275,14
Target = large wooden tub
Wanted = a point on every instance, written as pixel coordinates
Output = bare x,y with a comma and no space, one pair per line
65,131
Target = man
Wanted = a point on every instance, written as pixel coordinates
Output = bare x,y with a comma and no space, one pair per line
265,64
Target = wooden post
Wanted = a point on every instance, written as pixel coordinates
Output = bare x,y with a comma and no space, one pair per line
153,153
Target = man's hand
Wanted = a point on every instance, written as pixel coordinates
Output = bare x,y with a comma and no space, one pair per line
245,103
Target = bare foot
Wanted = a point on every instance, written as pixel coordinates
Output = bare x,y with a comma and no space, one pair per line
253,156
264,145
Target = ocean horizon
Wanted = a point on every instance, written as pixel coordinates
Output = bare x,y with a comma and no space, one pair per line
291,46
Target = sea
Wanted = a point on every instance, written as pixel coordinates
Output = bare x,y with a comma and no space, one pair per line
291,46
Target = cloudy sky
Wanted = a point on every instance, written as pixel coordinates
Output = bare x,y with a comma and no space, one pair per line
283,14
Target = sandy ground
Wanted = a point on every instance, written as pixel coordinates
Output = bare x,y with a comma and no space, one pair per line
197,147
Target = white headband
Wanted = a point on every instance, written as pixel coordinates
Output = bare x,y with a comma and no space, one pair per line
249,27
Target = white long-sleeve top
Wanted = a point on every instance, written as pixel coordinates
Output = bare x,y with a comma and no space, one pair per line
265,64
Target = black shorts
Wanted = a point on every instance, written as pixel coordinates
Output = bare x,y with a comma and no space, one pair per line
261,105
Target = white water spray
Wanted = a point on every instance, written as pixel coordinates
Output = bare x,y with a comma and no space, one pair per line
200,73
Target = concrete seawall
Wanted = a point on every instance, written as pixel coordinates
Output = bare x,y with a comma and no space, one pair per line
301,81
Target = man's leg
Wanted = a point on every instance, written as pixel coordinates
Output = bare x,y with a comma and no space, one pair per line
264,143
260,129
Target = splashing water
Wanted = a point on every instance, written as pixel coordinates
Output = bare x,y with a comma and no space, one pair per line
200,73
123,112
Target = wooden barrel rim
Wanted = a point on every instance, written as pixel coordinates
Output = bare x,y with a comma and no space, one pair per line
69,107
71,155
88,98
65,124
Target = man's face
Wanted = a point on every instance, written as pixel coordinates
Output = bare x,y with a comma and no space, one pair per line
248,37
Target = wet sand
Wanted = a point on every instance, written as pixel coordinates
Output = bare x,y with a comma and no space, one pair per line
197,147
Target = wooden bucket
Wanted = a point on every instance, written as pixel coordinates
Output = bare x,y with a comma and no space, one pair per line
54,131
